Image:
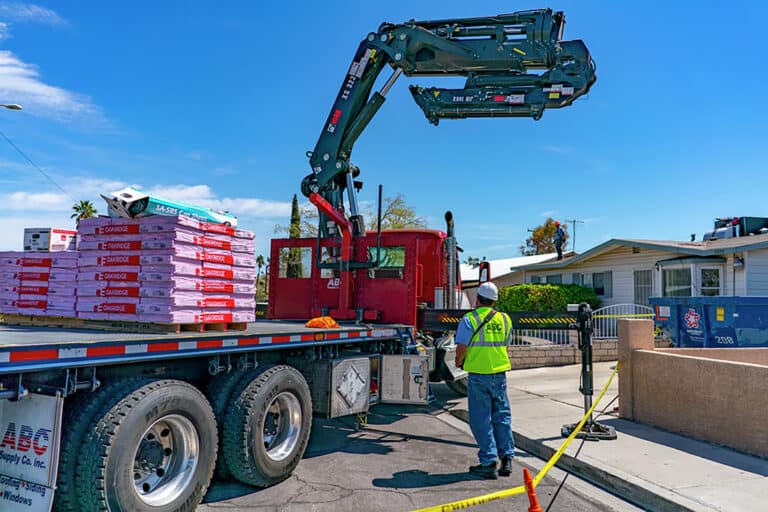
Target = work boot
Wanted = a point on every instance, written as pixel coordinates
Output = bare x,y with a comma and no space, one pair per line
488,472
506,466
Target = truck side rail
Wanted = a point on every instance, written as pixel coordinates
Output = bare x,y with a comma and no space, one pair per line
33,356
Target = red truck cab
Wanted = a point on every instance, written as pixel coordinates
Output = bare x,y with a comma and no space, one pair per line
412,272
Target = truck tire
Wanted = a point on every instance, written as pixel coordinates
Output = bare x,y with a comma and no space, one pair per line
153,449
79,413
267,425
219,393
458,386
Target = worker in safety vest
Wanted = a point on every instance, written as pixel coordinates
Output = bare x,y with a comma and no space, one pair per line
482,339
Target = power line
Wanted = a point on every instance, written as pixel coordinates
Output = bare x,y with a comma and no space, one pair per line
33,164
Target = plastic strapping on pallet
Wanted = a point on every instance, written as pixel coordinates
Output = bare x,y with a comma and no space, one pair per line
486,498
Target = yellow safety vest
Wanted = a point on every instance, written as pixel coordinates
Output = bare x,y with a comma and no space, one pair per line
487,350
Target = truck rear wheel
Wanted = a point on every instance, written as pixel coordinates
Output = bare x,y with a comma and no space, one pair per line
219,393
79,413
154,449
267,426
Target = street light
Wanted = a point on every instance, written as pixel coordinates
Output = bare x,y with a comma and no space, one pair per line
11,106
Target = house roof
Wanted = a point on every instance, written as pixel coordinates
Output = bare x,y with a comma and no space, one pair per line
719,247
500,267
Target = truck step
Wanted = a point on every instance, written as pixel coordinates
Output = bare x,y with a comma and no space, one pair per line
119,325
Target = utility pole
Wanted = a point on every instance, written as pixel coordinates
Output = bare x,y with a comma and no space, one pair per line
574,222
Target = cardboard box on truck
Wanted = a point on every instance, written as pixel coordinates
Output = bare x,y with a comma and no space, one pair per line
49,239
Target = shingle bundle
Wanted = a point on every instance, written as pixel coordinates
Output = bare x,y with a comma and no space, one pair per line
34,283
165,269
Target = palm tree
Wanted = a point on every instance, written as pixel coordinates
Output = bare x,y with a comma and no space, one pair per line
83,210
259,266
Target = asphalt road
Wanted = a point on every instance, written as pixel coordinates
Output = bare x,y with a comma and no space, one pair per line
406,457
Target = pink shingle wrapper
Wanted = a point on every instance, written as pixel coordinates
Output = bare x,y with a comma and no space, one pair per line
178,283
202,302
181,254
189,317
104,306
162,244
70,313
180,234
26,290
25,260
91,316
28,296
62,276
8,283
157,223
62,291
8,296
61,302
177,317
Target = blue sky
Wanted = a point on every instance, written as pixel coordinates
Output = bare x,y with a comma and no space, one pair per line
217,103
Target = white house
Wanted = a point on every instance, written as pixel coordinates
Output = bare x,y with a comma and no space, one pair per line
504,272
630,271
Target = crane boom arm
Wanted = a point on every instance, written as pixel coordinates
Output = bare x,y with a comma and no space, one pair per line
516,65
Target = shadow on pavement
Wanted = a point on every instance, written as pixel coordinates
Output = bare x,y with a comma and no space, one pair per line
350,436
414,478
223,491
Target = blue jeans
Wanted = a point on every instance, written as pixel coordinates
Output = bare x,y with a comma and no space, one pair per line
490,417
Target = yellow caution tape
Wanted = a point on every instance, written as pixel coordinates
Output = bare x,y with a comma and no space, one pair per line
553,460
471,502
506,493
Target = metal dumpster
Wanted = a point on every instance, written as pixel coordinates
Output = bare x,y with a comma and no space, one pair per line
720,322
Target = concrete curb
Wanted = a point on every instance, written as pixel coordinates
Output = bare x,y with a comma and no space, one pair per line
640,492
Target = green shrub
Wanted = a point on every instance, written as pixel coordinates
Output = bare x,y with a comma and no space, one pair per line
545,297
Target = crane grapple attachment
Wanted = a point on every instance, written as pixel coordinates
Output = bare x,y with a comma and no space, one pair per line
515,65
491,101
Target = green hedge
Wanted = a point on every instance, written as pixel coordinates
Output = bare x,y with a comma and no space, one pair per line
545,297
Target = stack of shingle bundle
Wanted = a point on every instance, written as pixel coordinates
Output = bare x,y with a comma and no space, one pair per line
165,269
35,283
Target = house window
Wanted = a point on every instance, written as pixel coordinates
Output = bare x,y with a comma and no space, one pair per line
535,279
602,282
576,279
643,286
555,279
710,281
676,282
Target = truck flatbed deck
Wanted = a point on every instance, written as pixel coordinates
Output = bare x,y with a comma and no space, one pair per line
29,348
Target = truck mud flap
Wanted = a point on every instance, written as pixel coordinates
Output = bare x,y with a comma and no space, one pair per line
29,452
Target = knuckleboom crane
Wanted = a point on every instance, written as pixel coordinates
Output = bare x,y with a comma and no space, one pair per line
516,65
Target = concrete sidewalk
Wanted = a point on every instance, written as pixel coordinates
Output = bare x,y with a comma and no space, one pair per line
652,468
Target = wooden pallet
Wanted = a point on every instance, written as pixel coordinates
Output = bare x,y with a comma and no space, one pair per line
118,325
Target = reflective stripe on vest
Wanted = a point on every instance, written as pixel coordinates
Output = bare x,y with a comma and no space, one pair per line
487,350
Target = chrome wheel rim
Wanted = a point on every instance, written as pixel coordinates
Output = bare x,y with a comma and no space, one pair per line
165,460
281,426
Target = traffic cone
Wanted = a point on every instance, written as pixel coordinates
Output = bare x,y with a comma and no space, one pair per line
534,501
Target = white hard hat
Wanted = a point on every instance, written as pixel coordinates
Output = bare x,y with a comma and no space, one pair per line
489,291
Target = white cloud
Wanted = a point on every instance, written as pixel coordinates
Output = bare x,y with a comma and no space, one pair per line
44,201
24,12
21,83
240,206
